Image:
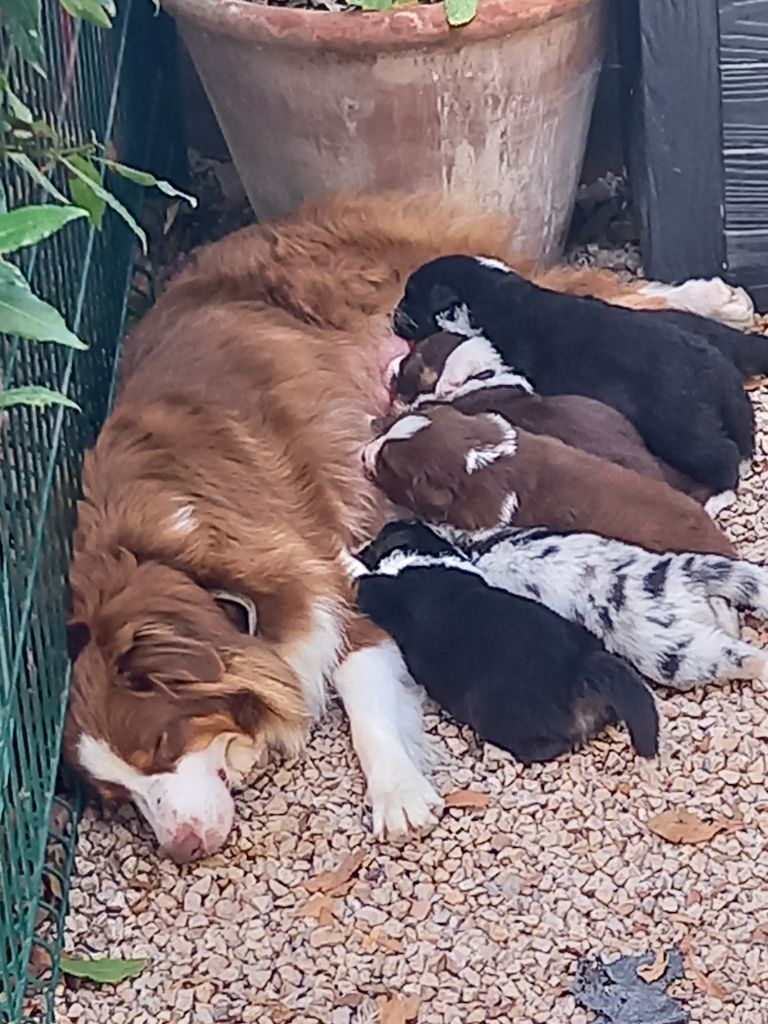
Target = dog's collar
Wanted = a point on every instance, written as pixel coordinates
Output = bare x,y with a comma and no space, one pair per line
243,602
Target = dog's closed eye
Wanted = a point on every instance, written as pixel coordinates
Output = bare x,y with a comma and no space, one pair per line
484,375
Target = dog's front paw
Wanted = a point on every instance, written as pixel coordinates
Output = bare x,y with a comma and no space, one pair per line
403,801
719,502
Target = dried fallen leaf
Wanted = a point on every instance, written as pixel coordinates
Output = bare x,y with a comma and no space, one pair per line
320,906
467,798
398,1009
329,881
698,977
653,971
352,999
760,935
378,938
327,937
681,826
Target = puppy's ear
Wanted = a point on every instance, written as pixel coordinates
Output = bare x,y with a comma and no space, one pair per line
158,654
433,500
441,297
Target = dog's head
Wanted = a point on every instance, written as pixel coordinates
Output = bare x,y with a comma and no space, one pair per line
172,701
451,293
428,462
404,536
420,370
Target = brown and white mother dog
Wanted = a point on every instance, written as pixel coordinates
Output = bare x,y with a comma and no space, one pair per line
228,479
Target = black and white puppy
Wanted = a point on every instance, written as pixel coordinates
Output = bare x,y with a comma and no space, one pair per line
670,616
682,395
523,677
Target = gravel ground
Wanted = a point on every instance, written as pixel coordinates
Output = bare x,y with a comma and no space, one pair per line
482,920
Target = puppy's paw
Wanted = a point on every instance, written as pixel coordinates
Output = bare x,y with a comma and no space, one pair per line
711,297
403,801
719,502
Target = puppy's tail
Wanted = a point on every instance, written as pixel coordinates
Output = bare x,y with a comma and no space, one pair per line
626,693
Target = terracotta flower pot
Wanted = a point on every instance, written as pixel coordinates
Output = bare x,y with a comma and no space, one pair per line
312,102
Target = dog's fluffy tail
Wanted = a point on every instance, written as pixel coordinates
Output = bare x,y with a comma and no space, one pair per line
626,693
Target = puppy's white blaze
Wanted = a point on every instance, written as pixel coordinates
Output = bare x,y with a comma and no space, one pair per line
473,356
316,657
183,520
192,797
384,713
457,320
487,261
395,563
400,430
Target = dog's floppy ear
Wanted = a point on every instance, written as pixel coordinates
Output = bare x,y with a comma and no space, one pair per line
78,636
441,297
158,654
433,499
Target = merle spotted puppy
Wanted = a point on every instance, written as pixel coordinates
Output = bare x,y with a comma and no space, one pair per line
684,397
670,616
522,676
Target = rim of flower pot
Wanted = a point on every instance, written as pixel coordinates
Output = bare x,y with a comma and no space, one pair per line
397,29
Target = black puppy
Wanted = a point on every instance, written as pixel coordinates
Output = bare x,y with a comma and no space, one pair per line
405,535
682,395
748,352
522,676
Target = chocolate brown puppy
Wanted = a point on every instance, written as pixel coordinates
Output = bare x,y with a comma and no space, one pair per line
488,386
477,473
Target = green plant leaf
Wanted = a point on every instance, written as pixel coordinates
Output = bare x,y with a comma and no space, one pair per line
24,314
15,106
36,395
105,971
84,195
373,5
74,164
149,181
460,12
23,161
98,12
27,225
22,20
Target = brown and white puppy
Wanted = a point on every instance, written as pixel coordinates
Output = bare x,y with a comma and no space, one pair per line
477,473
481,383
231,463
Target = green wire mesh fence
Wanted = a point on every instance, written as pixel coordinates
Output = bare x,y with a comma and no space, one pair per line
113,84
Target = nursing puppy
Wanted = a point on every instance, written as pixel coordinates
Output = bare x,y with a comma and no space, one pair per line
521,676
660,612
488,386
476,473
683,396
